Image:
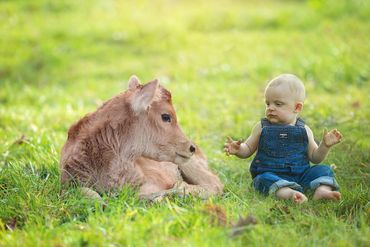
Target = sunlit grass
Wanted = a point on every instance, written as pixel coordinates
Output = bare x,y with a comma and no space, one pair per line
61,59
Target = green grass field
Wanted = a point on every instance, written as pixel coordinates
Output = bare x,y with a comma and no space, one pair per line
61,59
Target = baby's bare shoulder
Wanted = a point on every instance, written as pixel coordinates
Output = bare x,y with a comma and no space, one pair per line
257,128
309,133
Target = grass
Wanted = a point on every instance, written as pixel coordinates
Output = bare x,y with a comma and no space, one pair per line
61,59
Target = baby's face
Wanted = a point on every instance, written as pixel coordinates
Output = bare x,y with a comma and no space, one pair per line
280,105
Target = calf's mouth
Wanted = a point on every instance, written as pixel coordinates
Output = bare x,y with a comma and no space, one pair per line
184,156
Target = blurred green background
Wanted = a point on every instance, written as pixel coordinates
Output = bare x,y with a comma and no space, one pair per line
62,59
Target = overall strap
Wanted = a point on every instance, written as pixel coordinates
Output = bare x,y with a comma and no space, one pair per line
264,122
300,123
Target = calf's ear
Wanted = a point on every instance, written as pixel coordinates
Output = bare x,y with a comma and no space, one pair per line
143,99
133,82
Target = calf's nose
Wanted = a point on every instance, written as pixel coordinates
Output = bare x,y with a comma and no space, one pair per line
192,149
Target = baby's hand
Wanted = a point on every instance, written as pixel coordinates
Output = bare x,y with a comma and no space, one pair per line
331,138
231,146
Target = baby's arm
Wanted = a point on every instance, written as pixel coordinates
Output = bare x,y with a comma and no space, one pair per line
316,154
247,148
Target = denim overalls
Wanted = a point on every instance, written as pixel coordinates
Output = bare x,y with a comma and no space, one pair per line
282,161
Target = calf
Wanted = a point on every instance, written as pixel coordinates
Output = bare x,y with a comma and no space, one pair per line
134,139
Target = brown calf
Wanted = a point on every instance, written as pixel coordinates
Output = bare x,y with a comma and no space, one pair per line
105,149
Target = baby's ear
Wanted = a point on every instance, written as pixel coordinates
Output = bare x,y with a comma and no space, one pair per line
298,107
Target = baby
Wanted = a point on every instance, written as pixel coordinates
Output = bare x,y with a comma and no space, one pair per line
285,146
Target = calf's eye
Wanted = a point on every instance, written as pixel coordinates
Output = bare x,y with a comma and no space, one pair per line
166,117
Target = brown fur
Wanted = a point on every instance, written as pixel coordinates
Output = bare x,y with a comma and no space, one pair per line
105,149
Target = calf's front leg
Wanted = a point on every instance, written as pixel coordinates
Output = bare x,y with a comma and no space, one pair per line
199,179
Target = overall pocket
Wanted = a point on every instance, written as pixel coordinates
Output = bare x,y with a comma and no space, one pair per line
282,142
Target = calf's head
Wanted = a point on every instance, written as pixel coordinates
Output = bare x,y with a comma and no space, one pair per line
155,125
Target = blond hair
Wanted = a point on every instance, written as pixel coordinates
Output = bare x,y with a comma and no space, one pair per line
294,84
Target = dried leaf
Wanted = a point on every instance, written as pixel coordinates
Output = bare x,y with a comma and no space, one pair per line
249,220
11,224
363,165
20,140
242,225
217,213
355,104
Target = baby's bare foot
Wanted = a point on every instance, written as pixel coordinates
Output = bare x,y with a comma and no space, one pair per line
288,193
298,197
329,195
325,192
